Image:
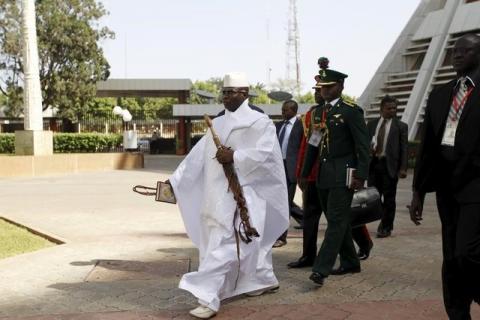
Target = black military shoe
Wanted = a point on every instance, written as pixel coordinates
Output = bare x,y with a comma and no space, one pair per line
341,271
301,263
384,233
317,278
363,254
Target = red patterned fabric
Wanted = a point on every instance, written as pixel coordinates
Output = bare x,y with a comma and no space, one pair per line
303,147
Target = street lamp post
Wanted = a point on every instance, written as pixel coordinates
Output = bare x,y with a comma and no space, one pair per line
129,136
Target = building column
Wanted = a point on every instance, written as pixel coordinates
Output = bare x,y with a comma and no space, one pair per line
33,140
182,141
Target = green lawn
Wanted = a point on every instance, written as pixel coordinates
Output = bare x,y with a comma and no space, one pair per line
15,240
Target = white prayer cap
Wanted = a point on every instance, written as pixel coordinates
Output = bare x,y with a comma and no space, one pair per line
235,80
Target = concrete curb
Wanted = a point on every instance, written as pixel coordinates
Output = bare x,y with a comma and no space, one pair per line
46,235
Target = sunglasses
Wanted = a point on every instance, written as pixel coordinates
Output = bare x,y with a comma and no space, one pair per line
231,92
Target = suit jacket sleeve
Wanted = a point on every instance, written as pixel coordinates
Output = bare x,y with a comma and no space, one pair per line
403,145
310,157
294,141
372,127
422,177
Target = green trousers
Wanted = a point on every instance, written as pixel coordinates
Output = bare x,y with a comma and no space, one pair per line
338,240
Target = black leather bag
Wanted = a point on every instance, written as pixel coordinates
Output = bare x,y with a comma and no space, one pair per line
366,206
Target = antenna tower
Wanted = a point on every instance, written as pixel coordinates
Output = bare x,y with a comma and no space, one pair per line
293,43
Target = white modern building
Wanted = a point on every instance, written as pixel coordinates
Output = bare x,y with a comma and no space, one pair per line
419,60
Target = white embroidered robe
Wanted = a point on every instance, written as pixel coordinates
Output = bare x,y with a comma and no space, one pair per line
208,207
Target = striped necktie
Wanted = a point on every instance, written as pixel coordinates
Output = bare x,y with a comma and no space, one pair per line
459,100
283,128
381,138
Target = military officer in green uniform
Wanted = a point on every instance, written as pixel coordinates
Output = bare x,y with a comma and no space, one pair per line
339,141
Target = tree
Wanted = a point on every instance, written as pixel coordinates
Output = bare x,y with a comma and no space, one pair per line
10,56
306,98
261,97
286,85
102,107
139,107
212,85
71,60
158,108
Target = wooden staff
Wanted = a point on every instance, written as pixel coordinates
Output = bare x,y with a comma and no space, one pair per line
245,231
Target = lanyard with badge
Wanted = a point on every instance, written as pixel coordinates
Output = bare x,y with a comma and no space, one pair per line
319,130
453,118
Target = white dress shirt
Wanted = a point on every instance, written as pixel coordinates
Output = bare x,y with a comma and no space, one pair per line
333,102
288,128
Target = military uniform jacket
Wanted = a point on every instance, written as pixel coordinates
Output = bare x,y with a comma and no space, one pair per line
345,144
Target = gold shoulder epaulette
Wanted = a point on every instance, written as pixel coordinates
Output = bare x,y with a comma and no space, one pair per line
350,103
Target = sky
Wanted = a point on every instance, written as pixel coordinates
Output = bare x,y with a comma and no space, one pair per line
200,39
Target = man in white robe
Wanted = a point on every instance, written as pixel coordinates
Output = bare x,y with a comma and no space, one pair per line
208,207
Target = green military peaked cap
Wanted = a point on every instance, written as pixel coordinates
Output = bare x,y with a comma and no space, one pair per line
329,77
323,59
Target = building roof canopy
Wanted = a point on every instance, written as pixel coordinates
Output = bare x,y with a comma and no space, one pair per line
143,87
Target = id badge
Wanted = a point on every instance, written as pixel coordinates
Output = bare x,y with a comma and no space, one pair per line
449,134
315,138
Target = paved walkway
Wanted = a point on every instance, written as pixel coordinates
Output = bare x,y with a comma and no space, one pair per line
124,255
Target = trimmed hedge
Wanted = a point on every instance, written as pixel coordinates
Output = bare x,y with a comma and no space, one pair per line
85,142
7,143
71,142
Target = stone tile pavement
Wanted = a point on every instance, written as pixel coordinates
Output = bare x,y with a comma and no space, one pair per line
124,255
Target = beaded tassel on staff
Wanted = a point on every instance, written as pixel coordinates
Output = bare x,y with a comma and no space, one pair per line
245,231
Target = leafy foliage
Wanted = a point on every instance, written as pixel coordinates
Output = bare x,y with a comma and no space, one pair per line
71,61
85,142
306,98
212,85
139,107
148,108
71,142
262,97
102,107
7,143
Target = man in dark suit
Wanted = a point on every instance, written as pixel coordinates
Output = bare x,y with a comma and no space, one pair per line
290,134
389,143
448,163
389,140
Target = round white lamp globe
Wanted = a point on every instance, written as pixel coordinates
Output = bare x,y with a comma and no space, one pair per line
117,110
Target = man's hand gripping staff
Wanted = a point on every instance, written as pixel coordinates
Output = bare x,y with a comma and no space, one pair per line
225,157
